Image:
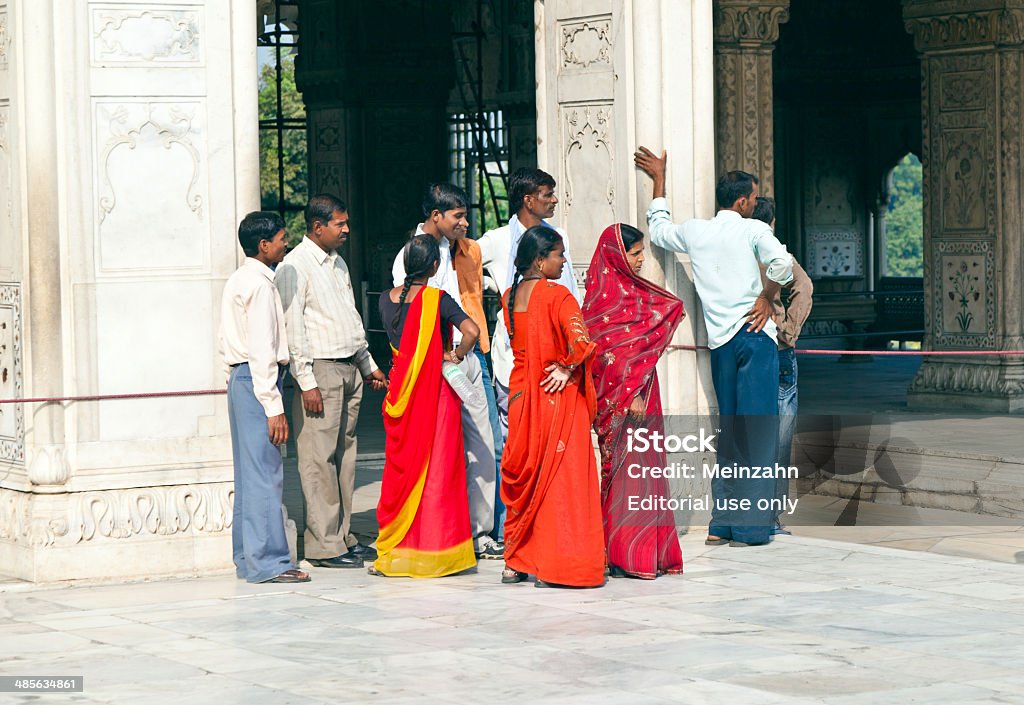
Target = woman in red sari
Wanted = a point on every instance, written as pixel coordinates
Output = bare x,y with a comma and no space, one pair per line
549,480
423,510
632,321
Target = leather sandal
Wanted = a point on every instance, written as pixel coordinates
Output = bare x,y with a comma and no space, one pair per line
290,576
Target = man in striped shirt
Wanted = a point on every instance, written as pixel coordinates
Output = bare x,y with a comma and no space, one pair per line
330,360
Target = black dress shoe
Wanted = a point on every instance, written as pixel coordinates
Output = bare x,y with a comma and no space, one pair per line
346,560
363,551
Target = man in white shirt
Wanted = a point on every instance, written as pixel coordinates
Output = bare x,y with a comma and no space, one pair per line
330,362
254,347
532,201
445,211
725,253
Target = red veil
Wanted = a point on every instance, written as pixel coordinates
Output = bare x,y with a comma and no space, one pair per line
632,321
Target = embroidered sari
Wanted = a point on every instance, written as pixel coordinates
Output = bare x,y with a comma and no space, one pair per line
632,321
549,480
423,510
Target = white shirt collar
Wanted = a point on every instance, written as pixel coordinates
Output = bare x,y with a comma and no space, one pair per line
317,251
258,266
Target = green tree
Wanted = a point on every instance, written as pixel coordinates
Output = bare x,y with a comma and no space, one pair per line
904,230
293,145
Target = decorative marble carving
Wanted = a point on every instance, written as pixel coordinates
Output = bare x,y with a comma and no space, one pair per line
962,378
5,40
12,416
113,515
749,21
835,254
18,526
963,180
586,43
151,167
153,511
138,36
963,302
963,90
589,154
48,465
943,29
125,123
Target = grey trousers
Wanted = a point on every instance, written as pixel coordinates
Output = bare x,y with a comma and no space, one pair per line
259,546
326,445
478,439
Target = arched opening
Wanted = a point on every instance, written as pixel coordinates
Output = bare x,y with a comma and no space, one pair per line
903,244
847,109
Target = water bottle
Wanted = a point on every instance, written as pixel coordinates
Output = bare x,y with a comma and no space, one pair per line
459,382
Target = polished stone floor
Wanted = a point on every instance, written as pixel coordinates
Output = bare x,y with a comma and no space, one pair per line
804,620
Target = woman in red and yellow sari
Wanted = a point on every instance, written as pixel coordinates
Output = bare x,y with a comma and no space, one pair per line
632,321
548,472
423,510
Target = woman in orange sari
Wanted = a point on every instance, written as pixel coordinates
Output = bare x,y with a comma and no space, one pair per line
632,321
549,480
423,510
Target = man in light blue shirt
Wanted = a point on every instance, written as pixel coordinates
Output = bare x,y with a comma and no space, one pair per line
725,253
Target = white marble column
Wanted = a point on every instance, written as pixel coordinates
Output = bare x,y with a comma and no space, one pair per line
136,151
613,74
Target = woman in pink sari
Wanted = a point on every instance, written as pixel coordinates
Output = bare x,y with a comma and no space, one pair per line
632,322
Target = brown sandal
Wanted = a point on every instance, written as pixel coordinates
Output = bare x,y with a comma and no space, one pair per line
290,576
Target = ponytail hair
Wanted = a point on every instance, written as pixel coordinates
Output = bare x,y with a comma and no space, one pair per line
419,256
538,241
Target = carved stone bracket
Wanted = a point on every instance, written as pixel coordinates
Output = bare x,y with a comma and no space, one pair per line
936,25
753,23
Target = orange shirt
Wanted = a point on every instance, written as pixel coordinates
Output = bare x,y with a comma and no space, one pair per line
468,263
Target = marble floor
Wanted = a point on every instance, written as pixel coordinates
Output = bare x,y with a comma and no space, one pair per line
804,620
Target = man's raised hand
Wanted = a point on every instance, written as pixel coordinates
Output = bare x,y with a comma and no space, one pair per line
654,166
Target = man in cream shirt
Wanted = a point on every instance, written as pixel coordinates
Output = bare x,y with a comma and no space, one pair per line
330,362
725,253
255,349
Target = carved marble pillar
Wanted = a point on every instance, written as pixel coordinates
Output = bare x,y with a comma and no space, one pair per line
745,36
377,115
132,143
972,58
47,465
607,82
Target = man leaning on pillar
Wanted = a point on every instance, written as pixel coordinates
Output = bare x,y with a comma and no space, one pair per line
330,360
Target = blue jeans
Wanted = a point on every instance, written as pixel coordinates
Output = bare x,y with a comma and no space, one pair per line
745,374
787,415
259,546
498,532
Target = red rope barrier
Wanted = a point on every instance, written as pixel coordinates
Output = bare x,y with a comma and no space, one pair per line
107,397
891,353
209,392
